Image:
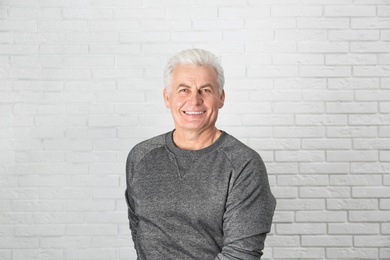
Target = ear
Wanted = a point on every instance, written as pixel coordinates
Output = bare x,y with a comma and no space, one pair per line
222,99
166,98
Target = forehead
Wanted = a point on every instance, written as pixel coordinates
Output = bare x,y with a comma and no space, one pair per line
194,74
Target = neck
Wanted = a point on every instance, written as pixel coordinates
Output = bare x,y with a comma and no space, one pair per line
194,140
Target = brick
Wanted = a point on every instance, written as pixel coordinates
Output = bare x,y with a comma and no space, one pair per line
67,145
352,59
301,35
300,83
299,107
19,242
92,230
307,180
297,132
371,241
351,253
369,47
86,61
90,253
218,24
323,23
165,25
248,36
371,71
271,23
353,229
328,241
87,13
147,36
39,230
325,71
349,11
191,12
371,192
284,193
66,242
353,35
329,192
352,204
327,120
372,120
300,229
48,25
34,205
356,180
299,253
111,25
352,156
353,83
54,218
26,254
272,47
321,216
364,167
326,144
286,59
244,12
370,23
351,107
300,204
324,168
89,157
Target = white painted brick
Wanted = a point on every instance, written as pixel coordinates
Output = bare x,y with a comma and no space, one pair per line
352,156
90,157
284,193
299,107
277,241
218,24
191,12
322,192
351,253
273,144
353,229
19,242
300,229
371,192
326,144
282,168
272,47
5,254
325,71
316,59
109,121
298,132
301,35
104,217
327,120
353,35
116,3
90,253
323,23
356,180
61,25
369,47
384,131
27,254
323,47
321,216
352,204
350,11
145,36
37,205
271,23
352,107
370,23
353,59
39,230
328,241
92,230
307,180
300,204
371,241
384,204
248,36
299,253
324,168
53,218
94,181
244,12
364,167
87,13
369,119
165,25
371,71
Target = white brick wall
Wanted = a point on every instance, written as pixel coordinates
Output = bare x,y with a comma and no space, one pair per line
307,86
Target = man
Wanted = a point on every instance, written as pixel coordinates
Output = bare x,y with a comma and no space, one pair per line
197,192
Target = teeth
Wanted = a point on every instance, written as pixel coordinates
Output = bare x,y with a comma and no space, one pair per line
193,113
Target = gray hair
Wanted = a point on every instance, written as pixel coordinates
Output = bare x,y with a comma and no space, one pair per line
197,57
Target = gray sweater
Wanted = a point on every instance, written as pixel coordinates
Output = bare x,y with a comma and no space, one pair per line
207,204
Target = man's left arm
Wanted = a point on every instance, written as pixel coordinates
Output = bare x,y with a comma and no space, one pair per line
248,217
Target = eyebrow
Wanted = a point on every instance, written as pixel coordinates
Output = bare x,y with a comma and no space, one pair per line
187,86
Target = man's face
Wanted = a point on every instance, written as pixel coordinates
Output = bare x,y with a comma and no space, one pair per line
193,98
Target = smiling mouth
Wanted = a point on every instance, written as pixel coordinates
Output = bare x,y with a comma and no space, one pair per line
194,113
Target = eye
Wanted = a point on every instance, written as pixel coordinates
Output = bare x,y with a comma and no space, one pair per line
183,90
205,90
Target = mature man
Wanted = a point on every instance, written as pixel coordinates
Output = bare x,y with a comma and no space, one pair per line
197,192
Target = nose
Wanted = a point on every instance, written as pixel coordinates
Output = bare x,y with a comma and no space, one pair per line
195,98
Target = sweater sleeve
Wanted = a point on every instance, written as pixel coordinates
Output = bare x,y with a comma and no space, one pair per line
249,210
133,220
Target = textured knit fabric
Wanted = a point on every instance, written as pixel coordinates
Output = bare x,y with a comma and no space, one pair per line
207,204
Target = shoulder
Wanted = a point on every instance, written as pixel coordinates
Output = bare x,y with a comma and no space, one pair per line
241,155
141,149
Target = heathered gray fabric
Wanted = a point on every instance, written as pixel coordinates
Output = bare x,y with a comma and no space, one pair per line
215,204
